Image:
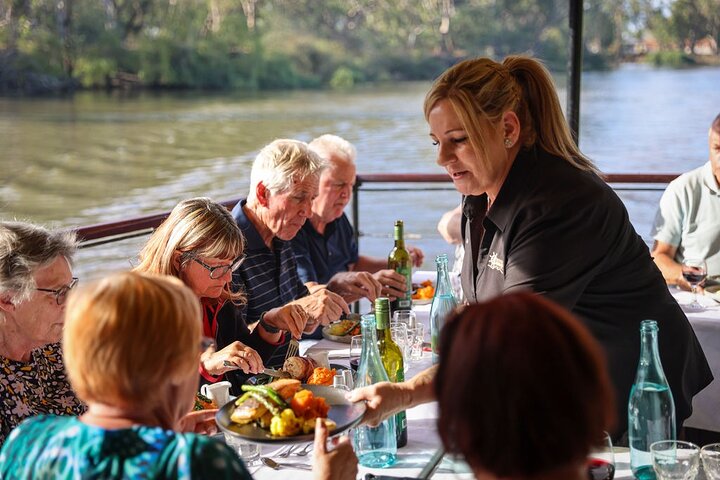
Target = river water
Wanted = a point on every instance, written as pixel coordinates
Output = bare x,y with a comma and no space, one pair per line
100,157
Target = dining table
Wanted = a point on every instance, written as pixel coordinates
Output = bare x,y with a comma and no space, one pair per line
423,439
705,323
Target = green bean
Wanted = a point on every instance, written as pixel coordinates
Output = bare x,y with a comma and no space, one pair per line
267,392
260,398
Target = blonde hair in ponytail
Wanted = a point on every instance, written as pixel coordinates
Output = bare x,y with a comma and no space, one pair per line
481,90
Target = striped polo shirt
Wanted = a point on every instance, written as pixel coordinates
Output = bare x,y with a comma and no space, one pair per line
268,277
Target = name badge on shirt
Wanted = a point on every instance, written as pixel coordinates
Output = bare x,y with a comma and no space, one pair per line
496,263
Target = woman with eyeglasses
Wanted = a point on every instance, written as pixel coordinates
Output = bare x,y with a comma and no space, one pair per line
35,278
201,244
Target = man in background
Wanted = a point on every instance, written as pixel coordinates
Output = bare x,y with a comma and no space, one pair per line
687,224
325,248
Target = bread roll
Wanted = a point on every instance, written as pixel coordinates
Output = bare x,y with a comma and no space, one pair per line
299,368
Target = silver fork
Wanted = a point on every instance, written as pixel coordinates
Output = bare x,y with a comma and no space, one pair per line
308,448
287,451
293,349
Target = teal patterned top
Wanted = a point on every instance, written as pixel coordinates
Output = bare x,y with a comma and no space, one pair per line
49,447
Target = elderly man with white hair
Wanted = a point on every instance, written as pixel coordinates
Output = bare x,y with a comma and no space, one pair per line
283,183
35,278
325,248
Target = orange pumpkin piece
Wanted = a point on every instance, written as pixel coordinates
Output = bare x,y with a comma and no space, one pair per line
321,376
305,405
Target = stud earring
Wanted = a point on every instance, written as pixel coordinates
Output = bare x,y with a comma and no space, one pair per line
508,143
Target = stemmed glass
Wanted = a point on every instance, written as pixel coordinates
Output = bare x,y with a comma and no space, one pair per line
355,352
694,271
601,460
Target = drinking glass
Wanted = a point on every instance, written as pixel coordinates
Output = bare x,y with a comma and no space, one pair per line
694,271
399,334
710,455
248,452
601,460
340,382
675,460
405,316
355,351
416,337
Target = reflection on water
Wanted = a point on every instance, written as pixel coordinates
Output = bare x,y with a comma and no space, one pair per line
95,157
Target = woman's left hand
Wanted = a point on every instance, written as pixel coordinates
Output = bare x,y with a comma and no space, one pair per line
199,421
229,358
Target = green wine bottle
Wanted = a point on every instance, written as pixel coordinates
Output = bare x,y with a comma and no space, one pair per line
392,359
399,260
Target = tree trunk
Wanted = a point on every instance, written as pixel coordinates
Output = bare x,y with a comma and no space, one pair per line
66,37
248,7
448,10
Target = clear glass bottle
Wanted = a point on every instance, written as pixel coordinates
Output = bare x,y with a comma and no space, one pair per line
651,410
375,447
443,303
400,261
392,360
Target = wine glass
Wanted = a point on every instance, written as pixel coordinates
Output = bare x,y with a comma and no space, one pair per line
674,459
694,271
601,460
355,352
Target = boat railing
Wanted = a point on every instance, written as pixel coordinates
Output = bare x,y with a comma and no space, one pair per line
93,235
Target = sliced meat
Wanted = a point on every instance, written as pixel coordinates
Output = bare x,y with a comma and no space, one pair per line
248,411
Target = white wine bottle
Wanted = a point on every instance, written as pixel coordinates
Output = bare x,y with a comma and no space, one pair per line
392,359
399,260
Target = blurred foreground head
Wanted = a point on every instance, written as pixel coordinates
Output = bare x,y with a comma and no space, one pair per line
522,387
132,340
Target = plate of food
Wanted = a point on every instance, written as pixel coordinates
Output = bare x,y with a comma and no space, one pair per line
343,330
423,292
285,411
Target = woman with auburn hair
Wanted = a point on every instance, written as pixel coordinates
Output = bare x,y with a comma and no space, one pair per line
537,216
139,384
201,244
539,396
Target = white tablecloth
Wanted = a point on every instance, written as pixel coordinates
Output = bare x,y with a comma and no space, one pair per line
706,324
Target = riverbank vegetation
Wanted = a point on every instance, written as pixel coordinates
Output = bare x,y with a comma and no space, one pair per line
56,45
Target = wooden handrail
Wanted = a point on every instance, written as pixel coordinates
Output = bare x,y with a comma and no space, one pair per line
442,178
123,227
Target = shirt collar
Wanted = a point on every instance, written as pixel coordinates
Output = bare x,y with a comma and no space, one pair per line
329,228
252,237
709,178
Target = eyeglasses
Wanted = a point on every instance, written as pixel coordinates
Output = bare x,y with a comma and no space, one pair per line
60,293
219,271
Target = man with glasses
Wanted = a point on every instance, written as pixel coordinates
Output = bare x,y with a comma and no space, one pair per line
35,279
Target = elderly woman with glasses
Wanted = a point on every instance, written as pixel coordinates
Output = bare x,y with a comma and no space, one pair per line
201,244
35,278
